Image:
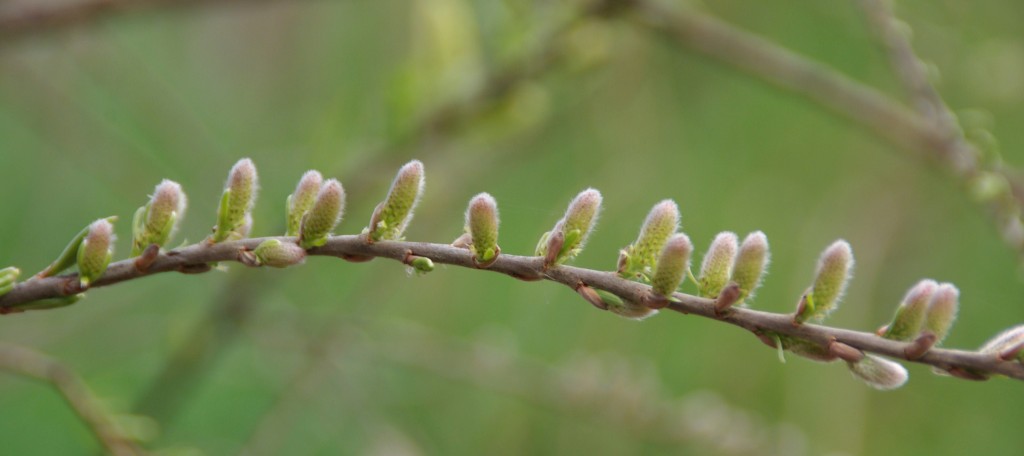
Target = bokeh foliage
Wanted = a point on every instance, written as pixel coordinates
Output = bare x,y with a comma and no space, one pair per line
92,118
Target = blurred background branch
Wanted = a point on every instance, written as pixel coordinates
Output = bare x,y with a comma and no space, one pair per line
278,81
24,21
37,366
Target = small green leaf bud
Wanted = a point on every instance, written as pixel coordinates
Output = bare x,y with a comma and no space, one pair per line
301,201
1008,345
95,252
156,222
237,201
830,282
672,265
324,216
421,265
9,274
879,373
482,226
638,259
393,215
751,262
942,310
572,230
277,254
717,266
906,324
8,278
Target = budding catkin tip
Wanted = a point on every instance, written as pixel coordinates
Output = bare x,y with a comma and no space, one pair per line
718,264
301,201
482,225
672,265
907,322
95,251
661,223
833,274
942,309
751,263
325,214
397,209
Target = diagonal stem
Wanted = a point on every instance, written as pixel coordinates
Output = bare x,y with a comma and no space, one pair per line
76,393
528,267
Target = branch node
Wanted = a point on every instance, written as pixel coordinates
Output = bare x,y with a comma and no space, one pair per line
146,259
801,306
965,374
197,268
463,242
72,286
765,339
726,298
488,263
248,258
1012,352
654,301
591,296
920,346
844,352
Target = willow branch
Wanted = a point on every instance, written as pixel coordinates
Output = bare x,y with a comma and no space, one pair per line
196,257
232,307
29,363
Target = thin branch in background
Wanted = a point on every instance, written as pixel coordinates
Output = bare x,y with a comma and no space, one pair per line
935,139
37,20
234,306
1005,206
793,72
911,71
969,363
30,363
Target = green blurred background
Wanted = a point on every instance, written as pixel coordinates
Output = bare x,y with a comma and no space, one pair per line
342,358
